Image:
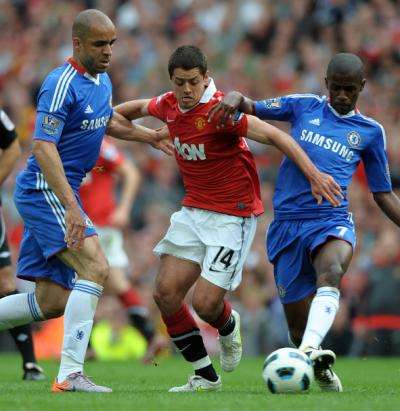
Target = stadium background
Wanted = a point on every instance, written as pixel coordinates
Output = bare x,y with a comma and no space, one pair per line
262,48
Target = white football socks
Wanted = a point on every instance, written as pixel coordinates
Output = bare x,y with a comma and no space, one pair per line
19,309
78,322
321,316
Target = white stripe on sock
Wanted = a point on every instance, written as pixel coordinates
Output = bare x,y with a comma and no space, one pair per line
203,362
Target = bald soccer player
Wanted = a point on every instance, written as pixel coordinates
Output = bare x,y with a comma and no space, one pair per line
60,249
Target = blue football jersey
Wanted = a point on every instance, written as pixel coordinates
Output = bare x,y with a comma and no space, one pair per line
335,143
73,109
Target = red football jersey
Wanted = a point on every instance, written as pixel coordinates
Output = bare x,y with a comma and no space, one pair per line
218,169
98,188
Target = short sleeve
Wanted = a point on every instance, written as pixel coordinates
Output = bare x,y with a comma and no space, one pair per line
158,106
7,131
285,108
239,126
376,163
53,106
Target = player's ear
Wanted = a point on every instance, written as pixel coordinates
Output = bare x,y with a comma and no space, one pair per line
76,43
362,84
326,83
206,76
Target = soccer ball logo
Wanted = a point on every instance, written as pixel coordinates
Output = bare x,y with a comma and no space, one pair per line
288,370
354,139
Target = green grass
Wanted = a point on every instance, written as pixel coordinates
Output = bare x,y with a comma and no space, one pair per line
370,384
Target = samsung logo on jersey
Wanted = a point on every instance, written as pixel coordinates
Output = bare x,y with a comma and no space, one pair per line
95,123
327,143
190,151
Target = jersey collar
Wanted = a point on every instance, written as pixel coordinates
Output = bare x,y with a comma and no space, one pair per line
349,114
205,98
80,69
208,92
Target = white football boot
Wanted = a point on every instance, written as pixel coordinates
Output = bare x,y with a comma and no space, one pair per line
196,383
78,382
322,362
231,346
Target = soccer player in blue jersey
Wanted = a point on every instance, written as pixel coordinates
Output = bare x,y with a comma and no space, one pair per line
60,250
311,245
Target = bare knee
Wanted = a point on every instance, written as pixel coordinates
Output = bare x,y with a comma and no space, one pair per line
52,308
98,272
7,281
167,298
52,298
330,275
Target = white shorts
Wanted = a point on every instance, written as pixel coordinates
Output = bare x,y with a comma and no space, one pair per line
219,243
112,243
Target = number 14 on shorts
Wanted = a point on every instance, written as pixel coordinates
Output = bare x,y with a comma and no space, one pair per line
223,258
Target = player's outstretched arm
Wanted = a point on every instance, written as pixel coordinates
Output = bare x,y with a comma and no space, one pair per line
389,203
224,111
322,185
133,109
50,163
122,128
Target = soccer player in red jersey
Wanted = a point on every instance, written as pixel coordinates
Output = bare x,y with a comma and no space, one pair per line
98,196
209,238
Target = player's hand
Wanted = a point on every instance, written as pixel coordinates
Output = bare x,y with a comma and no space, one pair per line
224,111
75,224
119,218
162,141
325,186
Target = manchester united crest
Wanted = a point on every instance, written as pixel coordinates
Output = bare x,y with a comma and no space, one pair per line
200,123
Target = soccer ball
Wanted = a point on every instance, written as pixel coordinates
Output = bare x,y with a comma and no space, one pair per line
288,370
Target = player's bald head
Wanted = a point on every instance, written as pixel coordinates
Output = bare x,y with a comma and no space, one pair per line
88,19
345,64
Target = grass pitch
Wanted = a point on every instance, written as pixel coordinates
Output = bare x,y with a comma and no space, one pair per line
369,384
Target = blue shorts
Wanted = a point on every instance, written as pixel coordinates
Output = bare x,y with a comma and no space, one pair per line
44,232
290,246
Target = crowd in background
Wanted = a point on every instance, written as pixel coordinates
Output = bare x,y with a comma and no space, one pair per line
264,48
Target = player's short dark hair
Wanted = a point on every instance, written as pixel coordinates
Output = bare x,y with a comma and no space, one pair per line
347,64
187,58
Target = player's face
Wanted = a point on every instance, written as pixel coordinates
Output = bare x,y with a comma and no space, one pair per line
94,51
344,91
189,86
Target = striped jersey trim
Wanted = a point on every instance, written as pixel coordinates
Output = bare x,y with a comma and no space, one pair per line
306,95
62,88
371,120
54,203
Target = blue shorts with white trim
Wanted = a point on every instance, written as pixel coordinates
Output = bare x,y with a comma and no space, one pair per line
44,232
290,247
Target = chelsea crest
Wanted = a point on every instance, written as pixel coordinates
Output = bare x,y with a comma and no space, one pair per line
354,139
